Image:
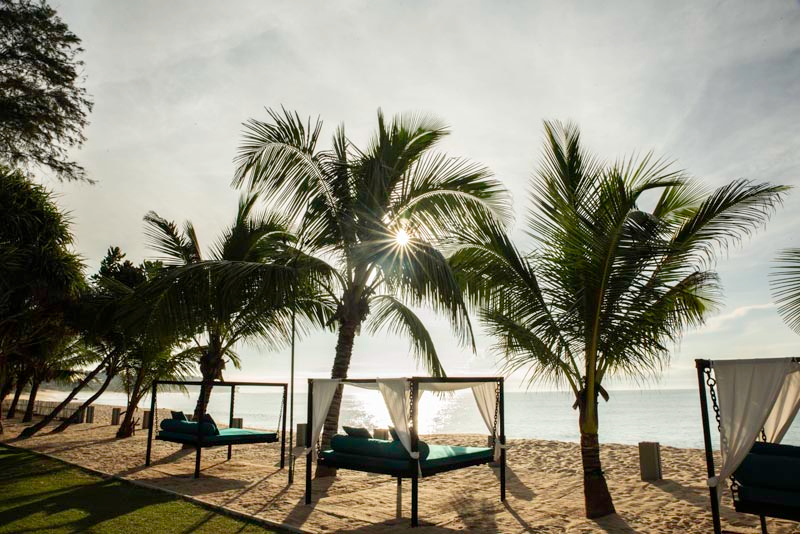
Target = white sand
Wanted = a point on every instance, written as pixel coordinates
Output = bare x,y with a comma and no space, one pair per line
545,493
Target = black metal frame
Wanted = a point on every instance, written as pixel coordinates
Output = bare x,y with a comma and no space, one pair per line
199,445
746,508
414,470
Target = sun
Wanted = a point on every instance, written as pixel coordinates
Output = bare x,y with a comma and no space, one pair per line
401,237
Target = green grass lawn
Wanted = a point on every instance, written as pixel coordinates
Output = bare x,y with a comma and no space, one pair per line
38,494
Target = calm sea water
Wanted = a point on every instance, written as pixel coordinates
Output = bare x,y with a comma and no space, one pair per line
671,417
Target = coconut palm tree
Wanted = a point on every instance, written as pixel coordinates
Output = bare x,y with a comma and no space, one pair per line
785,285
241,289
381,214
622,265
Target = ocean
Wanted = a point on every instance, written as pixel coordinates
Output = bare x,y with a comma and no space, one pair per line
670,417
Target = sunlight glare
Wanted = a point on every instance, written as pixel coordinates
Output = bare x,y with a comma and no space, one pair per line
401,237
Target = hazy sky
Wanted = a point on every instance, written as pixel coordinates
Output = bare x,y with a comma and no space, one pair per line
714,85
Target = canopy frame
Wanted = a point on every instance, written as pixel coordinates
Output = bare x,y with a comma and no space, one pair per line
706,380
414,383
203,385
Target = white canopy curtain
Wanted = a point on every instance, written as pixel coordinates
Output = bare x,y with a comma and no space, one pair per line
396,394
747,391
785,409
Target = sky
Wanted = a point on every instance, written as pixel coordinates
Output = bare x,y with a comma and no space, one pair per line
715,86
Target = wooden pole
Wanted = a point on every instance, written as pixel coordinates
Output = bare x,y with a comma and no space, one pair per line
150,430
414,448
702,365
230,425
283,429
502,439
309,445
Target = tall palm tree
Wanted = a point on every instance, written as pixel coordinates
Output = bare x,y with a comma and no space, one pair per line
610,283
785,285
381,214
240,290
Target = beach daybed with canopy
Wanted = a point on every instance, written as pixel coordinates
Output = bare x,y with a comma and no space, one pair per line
203,434
754,402
406,456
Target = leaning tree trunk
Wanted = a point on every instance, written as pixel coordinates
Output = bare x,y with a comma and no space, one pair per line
31,400
12,410
597,498
341,363
212,363
128,426
31,430
110,374
5,388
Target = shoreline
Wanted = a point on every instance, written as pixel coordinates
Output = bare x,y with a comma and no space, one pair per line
544,486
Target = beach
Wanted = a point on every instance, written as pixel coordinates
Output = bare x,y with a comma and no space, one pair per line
544,477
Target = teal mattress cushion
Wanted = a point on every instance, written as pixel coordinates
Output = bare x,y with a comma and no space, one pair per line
226,436
769,471
187,427
378,448
438,456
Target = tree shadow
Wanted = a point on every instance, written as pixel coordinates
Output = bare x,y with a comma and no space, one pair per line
613,523
99,502
180,453
701,499
301,510
189,486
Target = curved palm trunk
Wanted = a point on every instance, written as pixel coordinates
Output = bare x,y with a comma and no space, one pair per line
128,426
112,372
211,365
28,417
31,430
5,388
597,498
341,363
12,410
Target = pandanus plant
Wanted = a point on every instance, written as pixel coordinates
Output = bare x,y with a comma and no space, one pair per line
621,266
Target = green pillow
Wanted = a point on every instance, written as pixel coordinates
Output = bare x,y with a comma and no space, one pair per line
187,427
357,432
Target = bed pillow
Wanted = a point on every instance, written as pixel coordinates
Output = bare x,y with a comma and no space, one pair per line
179,416
207,419
355,432
393,432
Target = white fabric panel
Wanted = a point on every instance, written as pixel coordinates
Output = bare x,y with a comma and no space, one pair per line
451,386
397,396
785,409
322,396
486,398
746,391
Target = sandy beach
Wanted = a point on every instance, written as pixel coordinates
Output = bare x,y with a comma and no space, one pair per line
544,486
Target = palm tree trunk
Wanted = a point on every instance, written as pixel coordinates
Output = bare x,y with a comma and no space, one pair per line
341,363
5,388
211,365
12,410
31,430
597,498
128,426
111,372
28,417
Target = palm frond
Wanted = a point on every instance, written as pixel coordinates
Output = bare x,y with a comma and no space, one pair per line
785,285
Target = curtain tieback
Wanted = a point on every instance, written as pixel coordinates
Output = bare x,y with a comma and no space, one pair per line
713,482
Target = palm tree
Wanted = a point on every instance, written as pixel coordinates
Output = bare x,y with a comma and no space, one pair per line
239,291
609,284
382,214
786,286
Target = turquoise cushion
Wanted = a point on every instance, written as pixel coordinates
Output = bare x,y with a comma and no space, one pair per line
227,436
356,432
769,471
439,456
377,448
187,427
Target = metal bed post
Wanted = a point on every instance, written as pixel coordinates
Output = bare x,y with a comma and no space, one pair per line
199,445
230,424
152,422
309,445
702,365
502,437
414,448
283,428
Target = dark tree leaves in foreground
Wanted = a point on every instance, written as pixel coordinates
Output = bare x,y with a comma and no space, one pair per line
43,107
609,284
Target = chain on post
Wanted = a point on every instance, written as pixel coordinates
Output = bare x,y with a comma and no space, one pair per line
496,413
712,382
411,407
